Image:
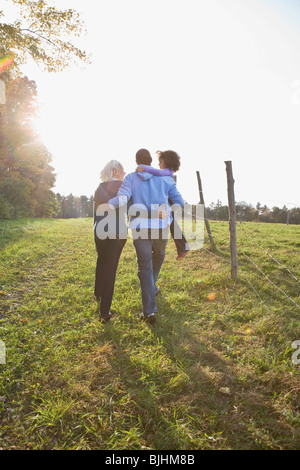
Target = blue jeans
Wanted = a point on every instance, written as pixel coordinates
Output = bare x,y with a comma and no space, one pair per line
150,256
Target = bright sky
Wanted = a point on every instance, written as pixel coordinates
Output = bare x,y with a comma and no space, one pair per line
213,80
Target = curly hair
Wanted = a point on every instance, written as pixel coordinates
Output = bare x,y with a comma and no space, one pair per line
170,158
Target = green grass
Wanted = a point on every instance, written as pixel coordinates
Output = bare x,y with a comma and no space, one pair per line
216,371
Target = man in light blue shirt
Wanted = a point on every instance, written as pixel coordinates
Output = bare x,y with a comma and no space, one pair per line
148,193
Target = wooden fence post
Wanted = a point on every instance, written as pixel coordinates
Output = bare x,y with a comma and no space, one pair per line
232,220
205,218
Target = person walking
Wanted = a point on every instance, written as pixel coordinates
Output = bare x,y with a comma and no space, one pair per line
149,232
109,244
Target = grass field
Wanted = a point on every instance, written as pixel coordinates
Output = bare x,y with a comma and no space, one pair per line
216,372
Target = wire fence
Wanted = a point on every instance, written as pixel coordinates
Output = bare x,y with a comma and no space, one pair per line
269,254
247,267
243,274
244,267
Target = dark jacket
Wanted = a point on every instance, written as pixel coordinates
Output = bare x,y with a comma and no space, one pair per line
103,193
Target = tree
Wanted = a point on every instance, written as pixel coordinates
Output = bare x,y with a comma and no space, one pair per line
26,176
245,212
41,32
295,215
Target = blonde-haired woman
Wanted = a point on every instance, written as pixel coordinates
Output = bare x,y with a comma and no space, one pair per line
108,249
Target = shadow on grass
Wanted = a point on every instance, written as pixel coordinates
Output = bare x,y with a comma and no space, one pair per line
246,417
204,405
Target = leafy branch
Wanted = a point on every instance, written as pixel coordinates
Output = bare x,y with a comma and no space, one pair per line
41,32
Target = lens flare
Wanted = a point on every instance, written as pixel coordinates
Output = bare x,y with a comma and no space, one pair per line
4,63
211,296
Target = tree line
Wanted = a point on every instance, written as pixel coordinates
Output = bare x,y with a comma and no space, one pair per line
69,207
82,206
260,213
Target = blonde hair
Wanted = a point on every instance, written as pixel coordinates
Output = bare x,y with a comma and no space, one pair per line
107,173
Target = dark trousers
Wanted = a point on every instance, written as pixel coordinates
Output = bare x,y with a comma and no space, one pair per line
180,240
109,252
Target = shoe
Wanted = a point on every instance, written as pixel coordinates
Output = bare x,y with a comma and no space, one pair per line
150,319
106,318
182,255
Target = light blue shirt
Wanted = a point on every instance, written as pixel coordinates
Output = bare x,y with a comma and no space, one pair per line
147,193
